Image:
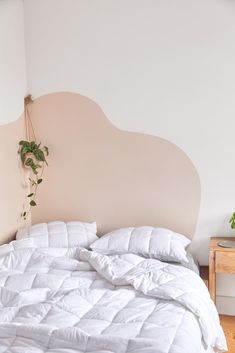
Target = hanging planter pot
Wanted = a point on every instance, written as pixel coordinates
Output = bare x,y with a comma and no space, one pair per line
33,157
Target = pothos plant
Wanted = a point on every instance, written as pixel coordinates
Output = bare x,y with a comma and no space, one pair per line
33,156
232,220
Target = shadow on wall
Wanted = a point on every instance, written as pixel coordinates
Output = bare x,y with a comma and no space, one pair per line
97,172
12,181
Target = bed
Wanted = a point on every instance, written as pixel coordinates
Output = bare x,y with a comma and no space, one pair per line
63,290
58,295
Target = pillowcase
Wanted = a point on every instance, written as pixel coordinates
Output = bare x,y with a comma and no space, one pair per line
60,234
159,243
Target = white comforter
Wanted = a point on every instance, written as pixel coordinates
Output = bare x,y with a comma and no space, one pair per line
73,300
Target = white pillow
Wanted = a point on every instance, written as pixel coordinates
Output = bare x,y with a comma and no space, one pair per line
160,243
15,245
60,234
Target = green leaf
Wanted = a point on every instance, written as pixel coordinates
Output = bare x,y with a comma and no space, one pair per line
23,151
39,181
46,150
232,220
33,203
39,155
35,172
30,195
24,143
29,162
33,145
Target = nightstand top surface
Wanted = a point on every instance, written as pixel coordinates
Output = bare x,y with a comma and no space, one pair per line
215,240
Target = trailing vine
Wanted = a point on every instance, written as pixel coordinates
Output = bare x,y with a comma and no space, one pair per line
33,156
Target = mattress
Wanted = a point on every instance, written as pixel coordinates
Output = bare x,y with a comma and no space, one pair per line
76,301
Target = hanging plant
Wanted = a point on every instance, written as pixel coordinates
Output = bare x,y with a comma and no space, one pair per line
33,157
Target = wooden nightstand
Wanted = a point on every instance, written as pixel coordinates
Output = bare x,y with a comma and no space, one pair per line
221,260
228,324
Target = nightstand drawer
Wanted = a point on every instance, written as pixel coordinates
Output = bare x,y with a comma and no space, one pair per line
224,262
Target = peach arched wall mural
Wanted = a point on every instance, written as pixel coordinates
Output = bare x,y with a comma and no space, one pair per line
98,172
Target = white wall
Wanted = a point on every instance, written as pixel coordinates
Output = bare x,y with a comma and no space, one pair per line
12,60
161,67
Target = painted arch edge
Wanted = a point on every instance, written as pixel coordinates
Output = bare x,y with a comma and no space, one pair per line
110,124
106,120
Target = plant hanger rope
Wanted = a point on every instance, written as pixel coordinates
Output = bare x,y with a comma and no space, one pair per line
30,133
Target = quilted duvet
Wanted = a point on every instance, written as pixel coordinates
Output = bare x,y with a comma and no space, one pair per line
76,301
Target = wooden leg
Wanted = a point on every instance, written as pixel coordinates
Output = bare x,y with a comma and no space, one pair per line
212,277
